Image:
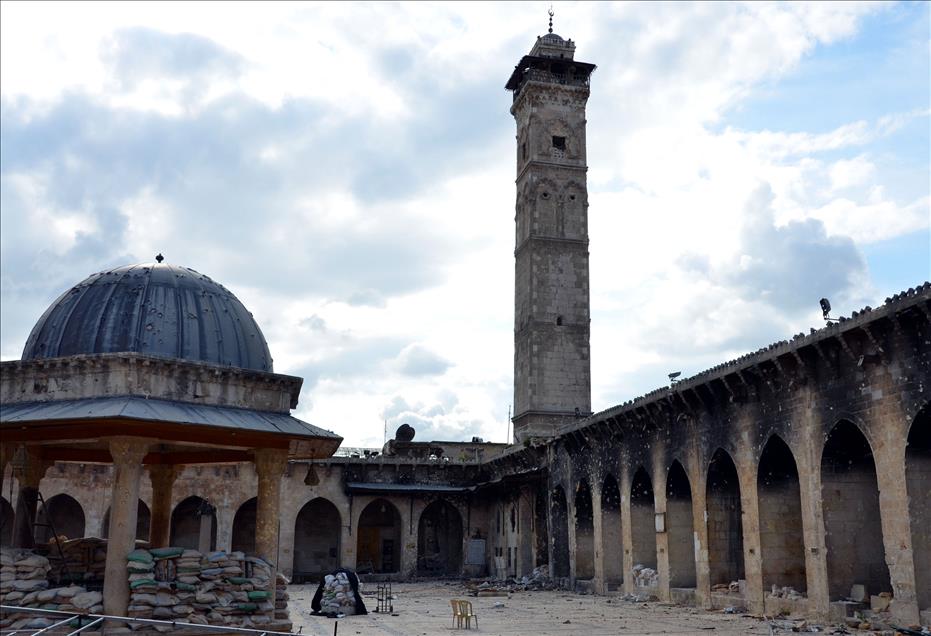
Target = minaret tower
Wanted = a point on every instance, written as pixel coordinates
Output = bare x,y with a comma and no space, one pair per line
552,370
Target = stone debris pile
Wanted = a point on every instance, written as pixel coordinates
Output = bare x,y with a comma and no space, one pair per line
539,579
785,591
24,583
732,587
216,588
644,576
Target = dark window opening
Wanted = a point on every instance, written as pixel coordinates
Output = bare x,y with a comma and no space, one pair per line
546,195
559,321
523,150
559,143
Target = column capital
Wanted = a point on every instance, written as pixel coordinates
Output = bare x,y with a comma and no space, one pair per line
270,462
163,475
32,469
129,450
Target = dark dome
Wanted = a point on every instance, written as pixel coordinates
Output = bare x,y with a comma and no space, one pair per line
152,309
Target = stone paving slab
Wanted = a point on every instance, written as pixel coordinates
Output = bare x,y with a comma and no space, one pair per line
423,609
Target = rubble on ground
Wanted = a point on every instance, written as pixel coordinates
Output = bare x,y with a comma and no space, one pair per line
786,591
644,576
539,579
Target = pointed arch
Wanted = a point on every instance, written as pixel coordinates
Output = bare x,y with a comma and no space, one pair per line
439,540
62,515
194,525
317,533
379,542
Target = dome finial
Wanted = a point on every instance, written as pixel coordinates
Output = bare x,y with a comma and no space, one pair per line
551,18
159,258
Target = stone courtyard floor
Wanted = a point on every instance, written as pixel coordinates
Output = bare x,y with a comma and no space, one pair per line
423,609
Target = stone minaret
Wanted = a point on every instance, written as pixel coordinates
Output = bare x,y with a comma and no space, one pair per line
552,371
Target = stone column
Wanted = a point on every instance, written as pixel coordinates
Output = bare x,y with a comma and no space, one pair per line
598,537
24,521
127,454
163,478
889,455
662,538
699,479
573,535
270,464
750,520
810,494
627,538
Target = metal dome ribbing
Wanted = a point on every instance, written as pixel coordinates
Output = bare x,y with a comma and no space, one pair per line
152,309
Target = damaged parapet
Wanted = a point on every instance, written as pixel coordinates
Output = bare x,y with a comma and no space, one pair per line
404,446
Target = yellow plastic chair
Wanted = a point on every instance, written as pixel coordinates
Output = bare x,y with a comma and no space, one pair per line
465,610
457,613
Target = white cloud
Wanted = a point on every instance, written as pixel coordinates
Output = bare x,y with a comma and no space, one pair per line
347,172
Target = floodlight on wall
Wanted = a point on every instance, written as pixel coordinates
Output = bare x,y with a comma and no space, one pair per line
674,376
826,309
311,478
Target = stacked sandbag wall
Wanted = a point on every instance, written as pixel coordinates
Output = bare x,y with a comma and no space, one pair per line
24,583
216,588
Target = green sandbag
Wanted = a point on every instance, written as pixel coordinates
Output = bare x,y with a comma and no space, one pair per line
166,553
186,587
136,567
143,583
140,556
258,595
238,580
247,607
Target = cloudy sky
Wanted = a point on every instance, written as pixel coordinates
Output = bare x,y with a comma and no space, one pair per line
347,171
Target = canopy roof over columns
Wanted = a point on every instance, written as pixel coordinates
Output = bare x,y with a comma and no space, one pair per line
66,408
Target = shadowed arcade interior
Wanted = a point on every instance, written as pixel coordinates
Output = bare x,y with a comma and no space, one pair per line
680,526
611,537
725,526
379,543
781,537
317,533
853,530
642,523
194,525
439,540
